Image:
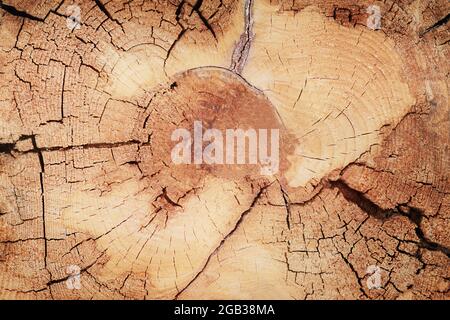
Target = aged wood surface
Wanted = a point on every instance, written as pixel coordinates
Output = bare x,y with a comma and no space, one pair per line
91,207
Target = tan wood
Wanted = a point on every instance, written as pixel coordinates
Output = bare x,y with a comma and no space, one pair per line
88,192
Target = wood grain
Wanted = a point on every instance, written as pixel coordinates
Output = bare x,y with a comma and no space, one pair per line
85,174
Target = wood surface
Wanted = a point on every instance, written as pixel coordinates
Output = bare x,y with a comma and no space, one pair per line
87,189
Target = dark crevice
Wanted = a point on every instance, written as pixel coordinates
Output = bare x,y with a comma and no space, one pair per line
23,14
180,35
207,24
62,95
415,215
339,13
360,199
18,13
198,4
166,197
135,163
37,150
41,180
83,146
439,23
178,11
6,147
287,205
103,9
196,8
9,148
146,121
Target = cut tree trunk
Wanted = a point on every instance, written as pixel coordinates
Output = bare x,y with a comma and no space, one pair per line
91,206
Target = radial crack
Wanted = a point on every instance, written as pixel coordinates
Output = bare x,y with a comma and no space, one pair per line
242,48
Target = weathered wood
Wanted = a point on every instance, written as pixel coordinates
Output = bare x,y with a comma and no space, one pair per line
88,192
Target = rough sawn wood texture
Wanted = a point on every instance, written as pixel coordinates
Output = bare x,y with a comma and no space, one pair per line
85,120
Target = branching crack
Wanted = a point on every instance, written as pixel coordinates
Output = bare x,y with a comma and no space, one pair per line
18,13
236,226
196,8
415,215
438,23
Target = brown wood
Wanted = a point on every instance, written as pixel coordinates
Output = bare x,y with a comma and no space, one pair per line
86,183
